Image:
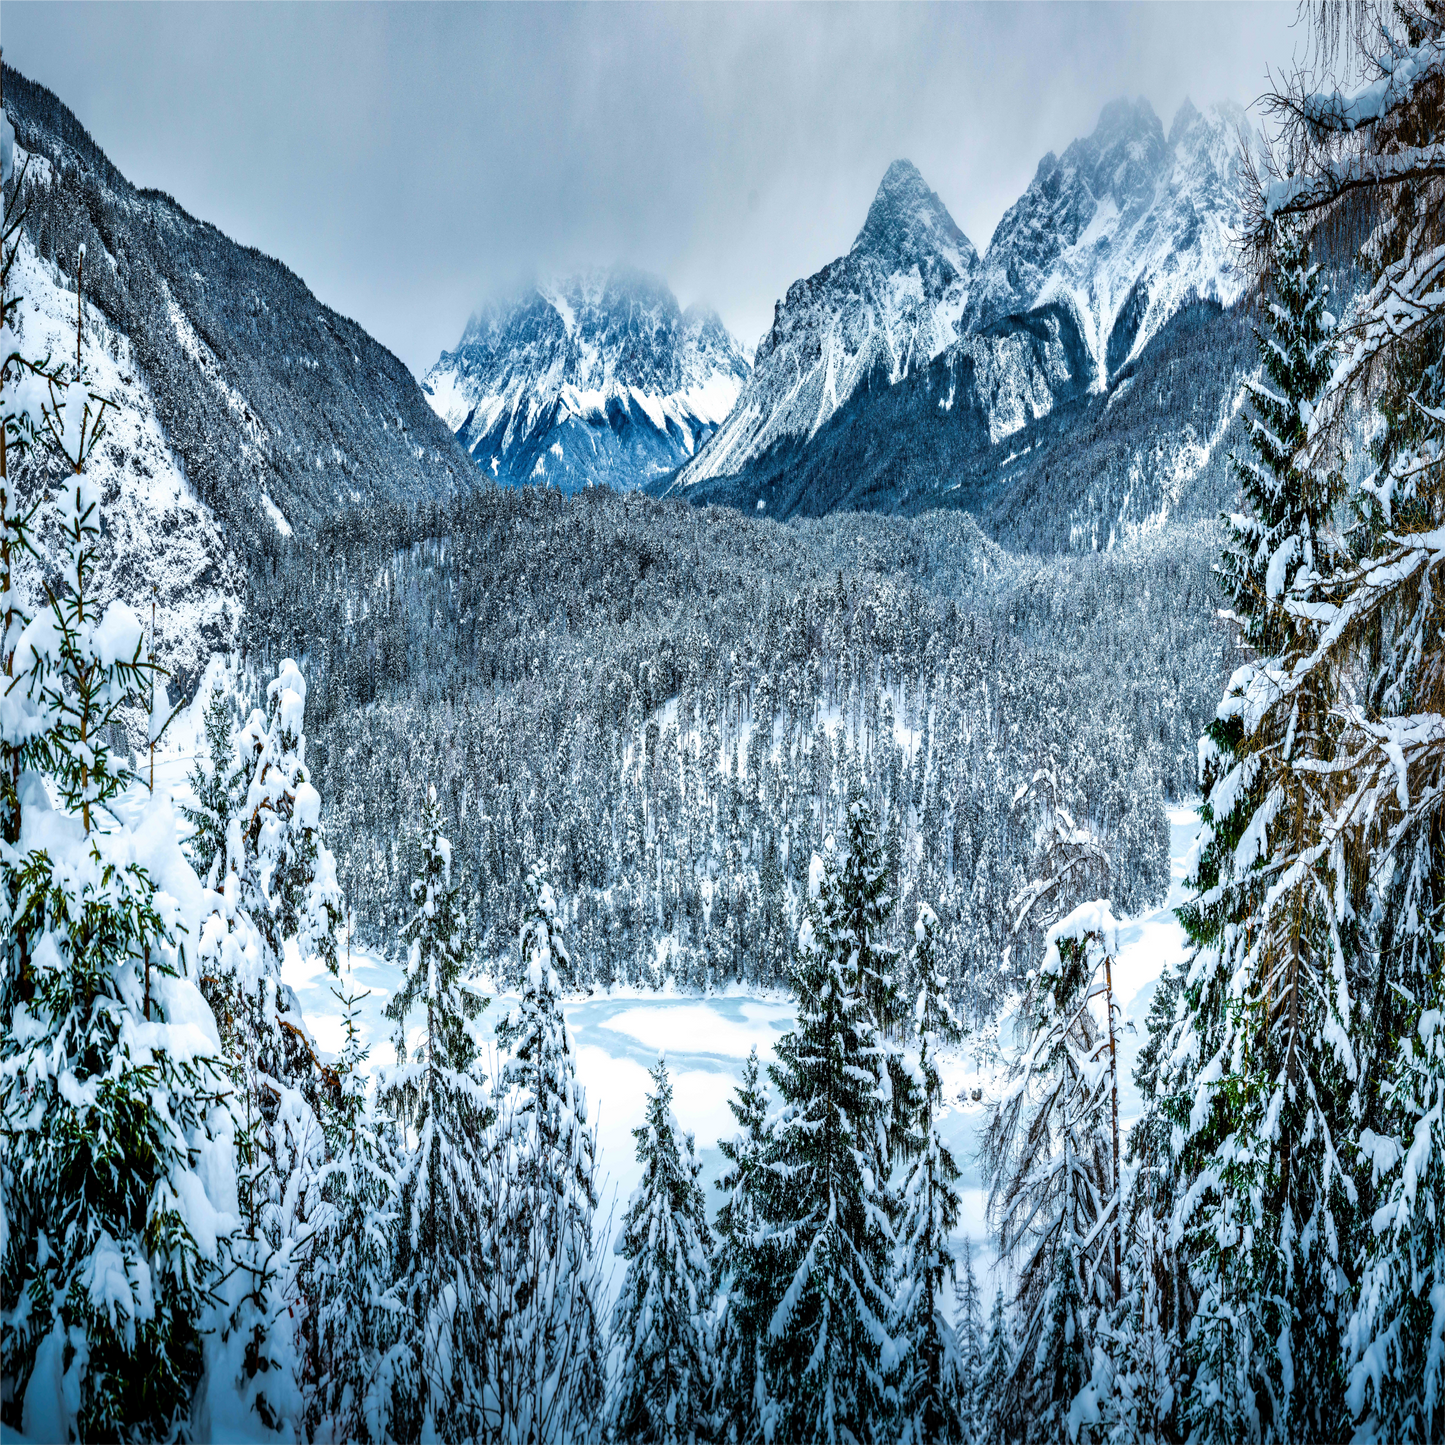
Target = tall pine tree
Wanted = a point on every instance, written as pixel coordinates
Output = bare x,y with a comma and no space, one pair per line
930,1204
829,1352
1269,1066
546,1331
351,1277
1051,1156
441,1100
109,1070
661,1324
968,1365
746,1263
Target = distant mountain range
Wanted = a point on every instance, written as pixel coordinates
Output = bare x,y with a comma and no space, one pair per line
911,371
596,378
1075,382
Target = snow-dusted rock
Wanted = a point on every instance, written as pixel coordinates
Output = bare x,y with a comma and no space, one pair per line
888,307
1123,228
599,377
1105,246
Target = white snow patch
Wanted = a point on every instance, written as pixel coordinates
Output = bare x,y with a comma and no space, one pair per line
278,518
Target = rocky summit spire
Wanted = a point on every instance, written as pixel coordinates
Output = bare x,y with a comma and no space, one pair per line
908,224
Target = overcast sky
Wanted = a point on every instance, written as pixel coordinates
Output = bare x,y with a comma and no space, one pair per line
409,160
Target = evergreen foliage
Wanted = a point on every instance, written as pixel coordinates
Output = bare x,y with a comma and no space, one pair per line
358,1356
745,1262
930,1406
1052,1160
218,785
441,1100
993,1412
1268,1063
669,865
967,1383
829,1352
661,1324
545,1353
109,1068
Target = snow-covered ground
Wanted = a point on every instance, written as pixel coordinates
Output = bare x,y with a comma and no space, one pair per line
705,1041
620,1034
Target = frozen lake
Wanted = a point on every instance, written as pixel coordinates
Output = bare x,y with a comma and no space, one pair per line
620,1035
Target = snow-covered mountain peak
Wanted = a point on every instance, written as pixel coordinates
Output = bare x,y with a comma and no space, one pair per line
597,376
885,309
908,225
1184,118
1123,228
1108,241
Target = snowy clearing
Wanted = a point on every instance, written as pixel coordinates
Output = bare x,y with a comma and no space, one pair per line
705,1040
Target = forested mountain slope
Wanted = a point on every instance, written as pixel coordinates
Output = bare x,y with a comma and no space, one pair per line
277,410
670,704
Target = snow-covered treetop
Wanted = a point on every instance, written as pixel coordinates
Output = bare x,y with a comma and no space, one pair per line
1094,919
546,963
286,701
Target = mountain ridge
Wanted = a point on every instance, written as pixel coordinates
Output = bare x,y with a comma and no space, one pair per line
1110,241
261,390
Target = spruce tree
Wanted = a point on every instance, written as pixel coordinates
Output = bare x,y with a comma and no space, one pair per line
1146,1352
1268,1064
440,1098
995,1409
829,1352
1283,529
1057,1399
275,885
661,1324
544,1325
1374,633
1397,1375
1051,1158
746,1264
109,1070
930,1202
290,888
968,1362
351,1276
218,785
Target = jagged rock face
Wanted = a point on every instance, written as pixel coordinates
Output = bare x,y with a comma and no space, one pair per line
888,307
597,378
1108,244
1124,228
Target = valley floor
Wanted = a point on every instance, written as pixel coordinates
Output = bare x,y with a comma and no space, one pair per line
620,1034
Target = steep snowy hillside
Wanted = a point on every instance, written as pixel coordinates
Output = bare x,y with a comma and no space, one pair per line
156,531
277,410
885,309
1123,229
596,378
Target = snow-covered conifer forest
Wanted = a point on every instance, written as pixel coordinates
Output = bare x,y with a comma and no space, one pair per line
539,966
